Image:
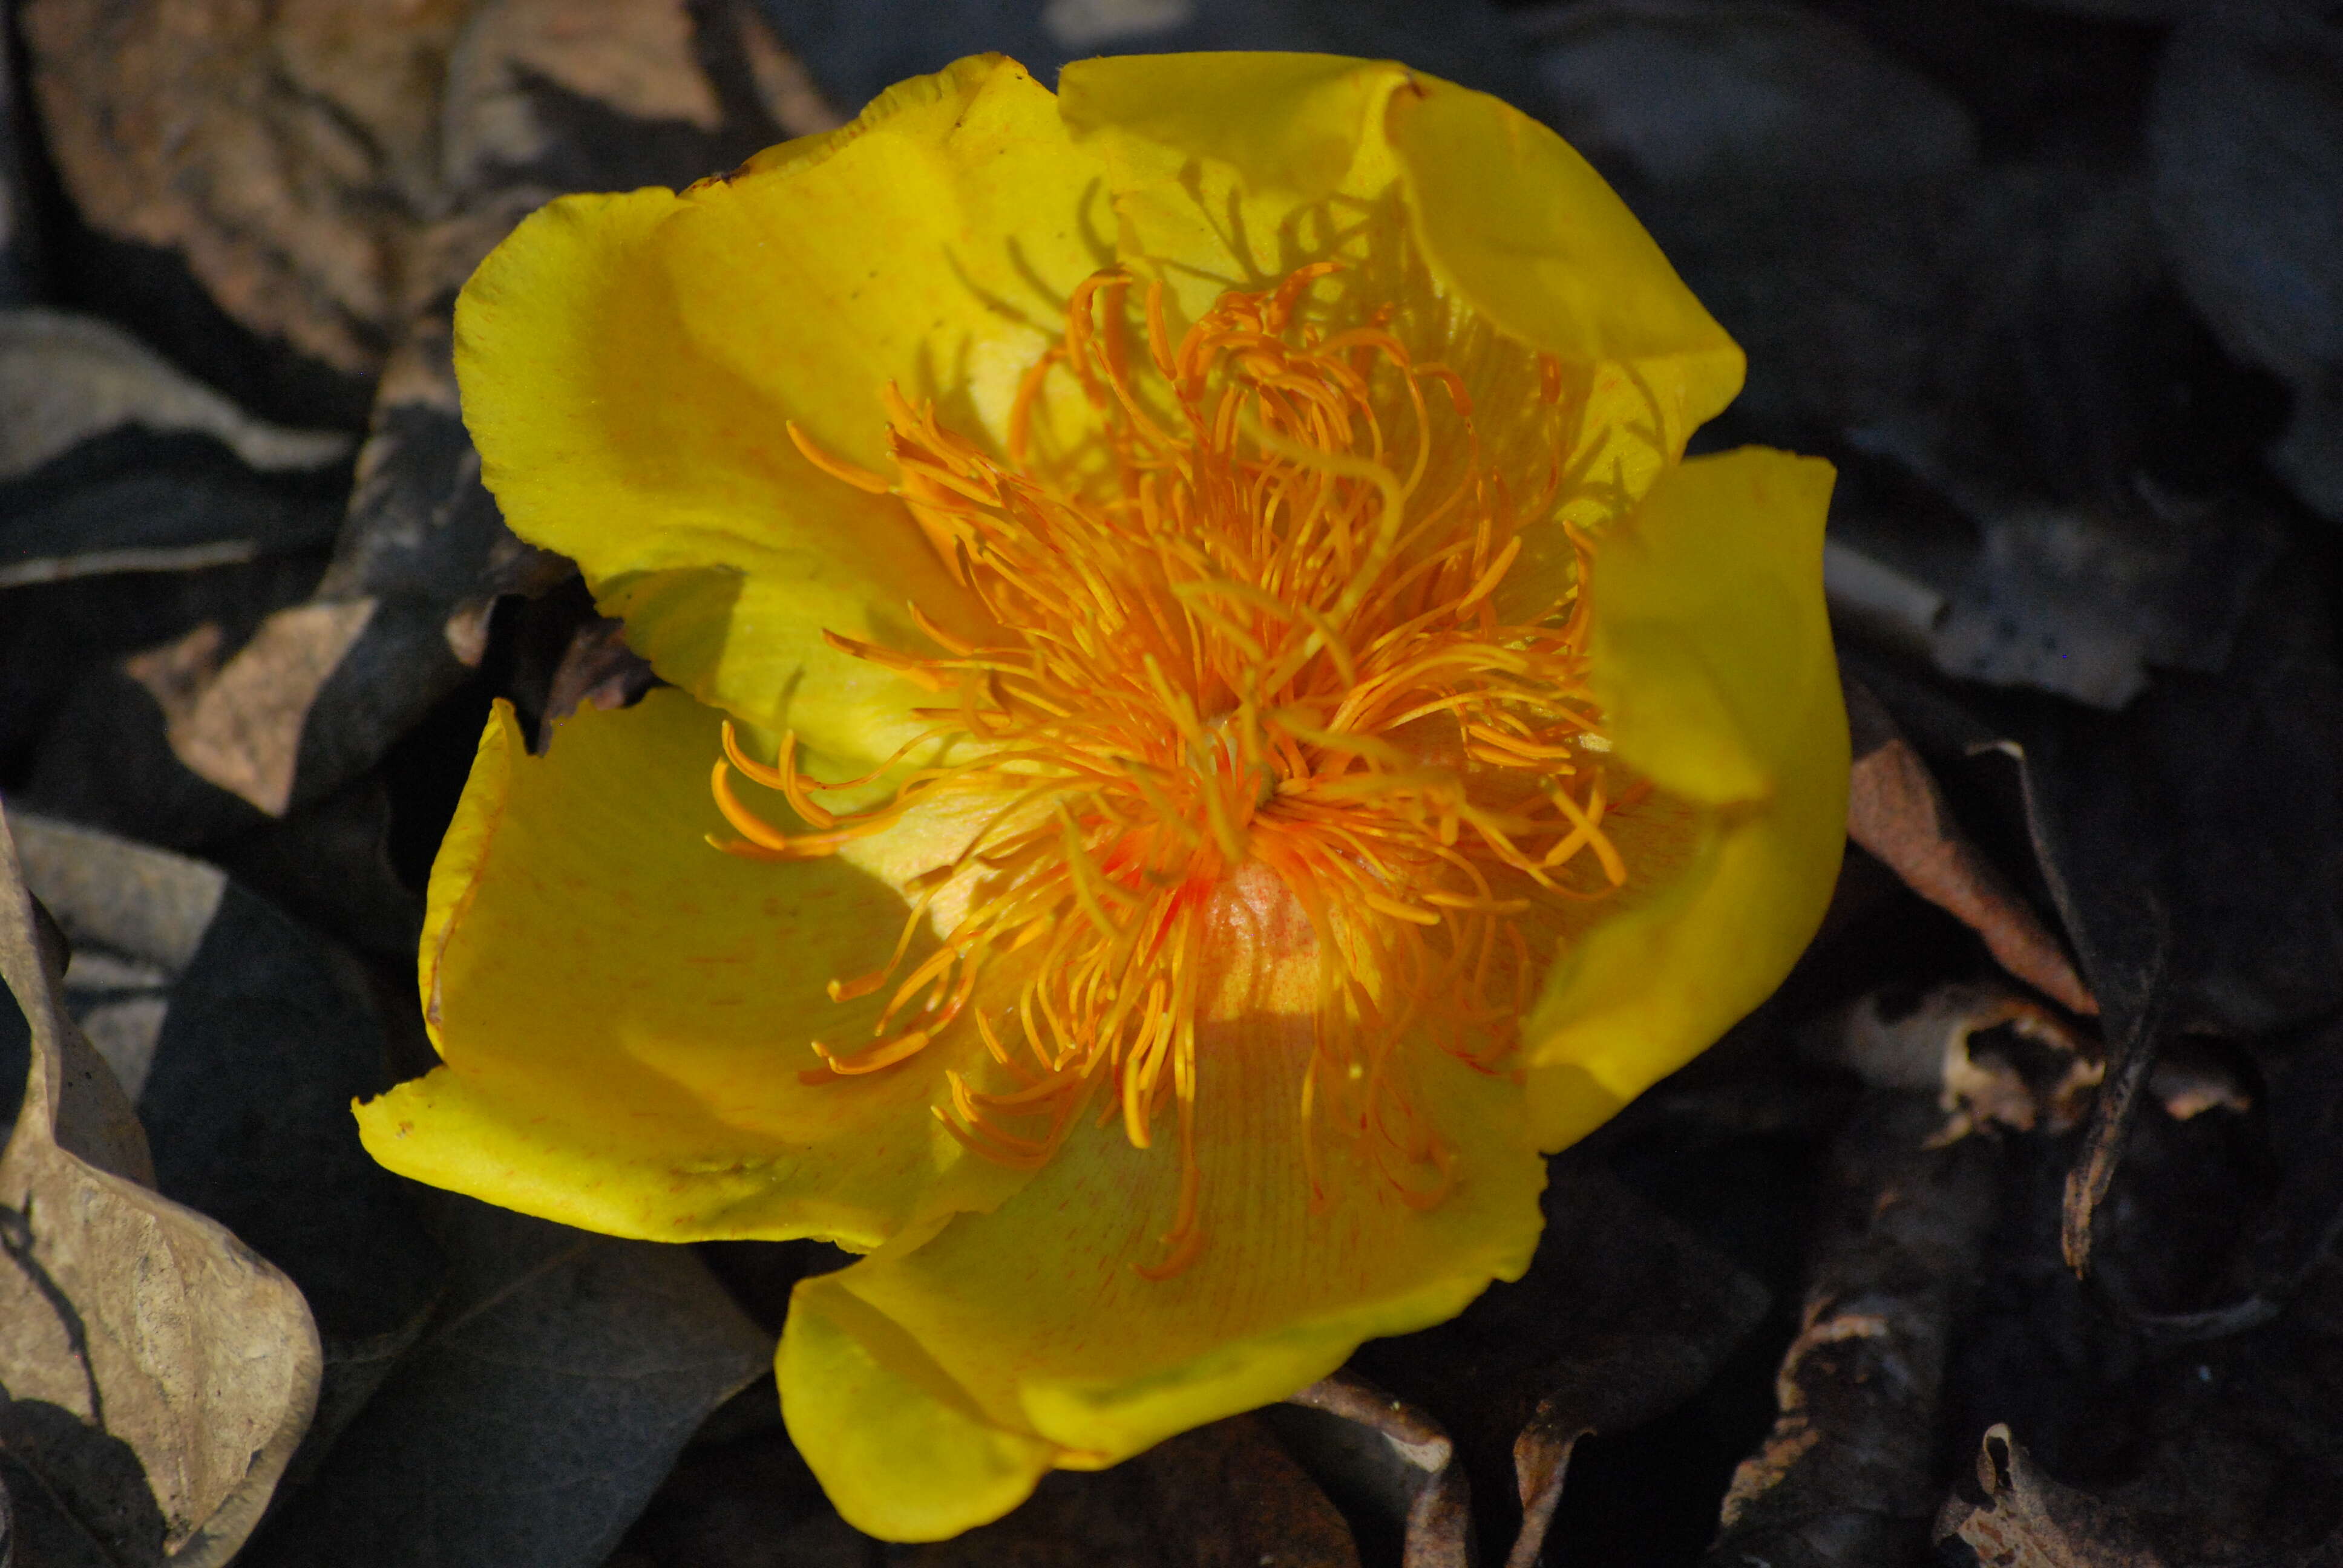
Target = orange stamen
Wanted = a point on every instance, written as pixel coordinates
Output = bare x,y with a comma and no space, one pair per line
836,468
1249,624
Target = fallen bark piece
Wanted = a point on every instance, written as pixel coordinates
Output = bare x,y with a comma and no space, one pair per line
1895,810
157,1374
1845,1478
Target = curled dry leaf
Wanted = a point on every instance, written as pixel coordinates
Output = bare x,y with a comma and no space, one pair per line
596,667
2030,1520
2132,1053
2264,1245
2186,837
2188,1085
1990,1056
1997,1059
1384,1460
1896,811
158,1374
1845,1478
2183,842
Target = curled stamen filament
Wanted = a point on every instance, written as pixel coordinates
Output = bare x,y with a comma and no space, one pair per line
1249,618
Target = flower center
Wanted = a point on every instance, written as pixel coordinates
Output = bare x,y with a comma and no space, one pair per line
1249,665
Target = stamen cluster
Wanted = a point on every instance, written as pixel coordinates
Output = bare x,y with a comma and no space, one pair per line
1247,646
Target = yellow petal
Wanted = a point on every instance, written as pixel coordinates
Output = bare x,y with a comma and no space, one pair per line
1288,126
1711,657
1230,170
1524,230
1712,654
1030,1326
623,1011
902,1451
1233,169
630,364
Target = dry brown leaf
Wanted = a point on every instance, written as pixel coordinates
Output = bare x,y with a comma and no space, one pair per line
634,56
238,724
784,86
284,149
129,1326
1896,811
295,153
143,912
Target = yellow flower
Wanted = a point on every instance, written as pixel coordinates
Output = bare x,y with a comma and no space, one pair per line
1233,726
